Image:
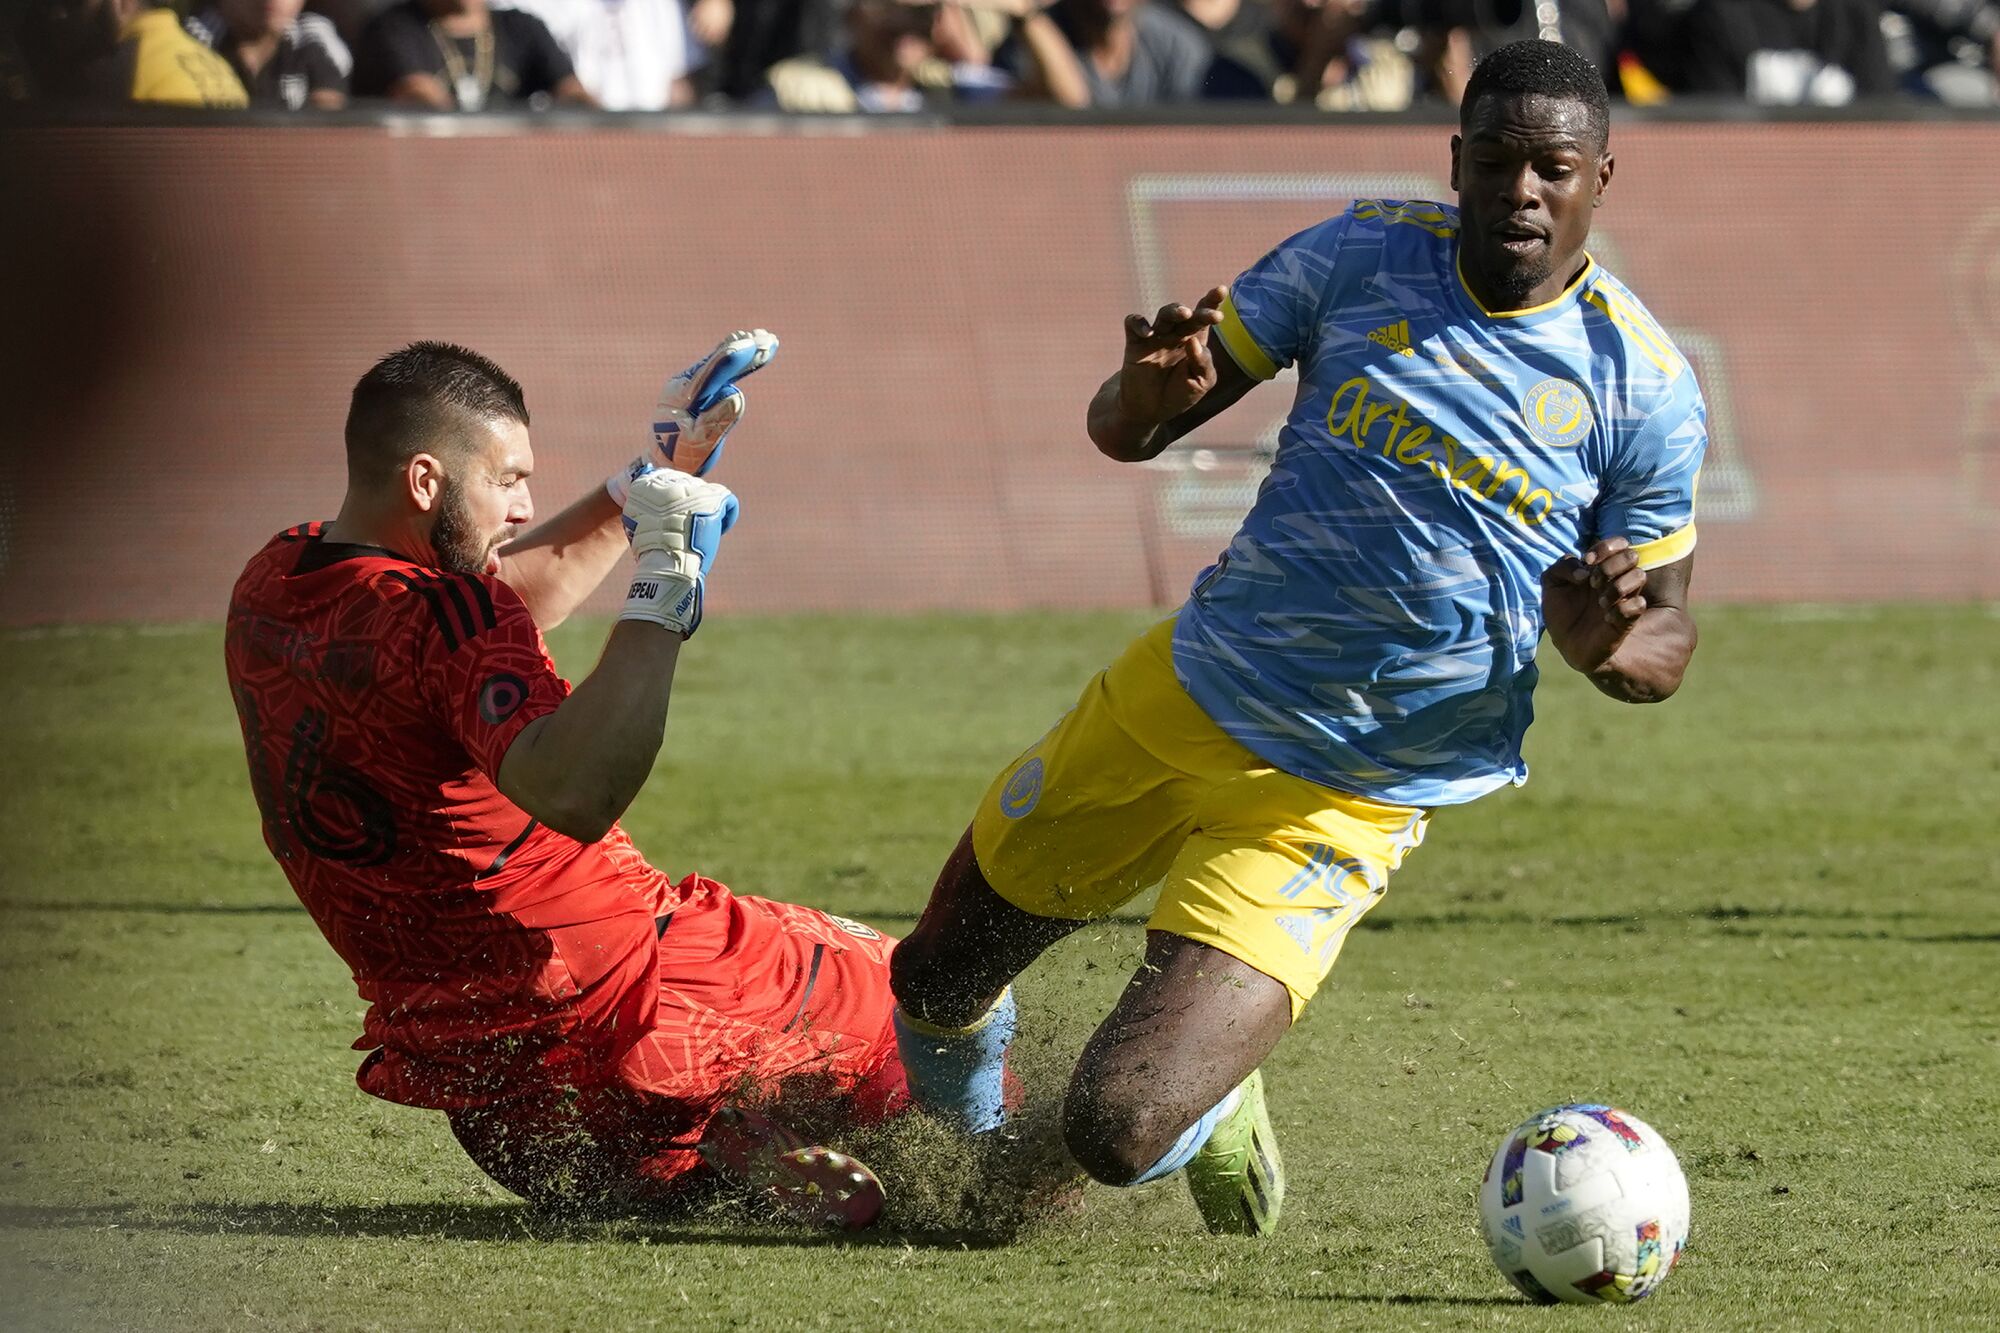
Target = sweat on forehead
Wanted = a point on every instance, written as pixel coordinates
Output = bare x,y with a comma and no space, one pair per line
1532,116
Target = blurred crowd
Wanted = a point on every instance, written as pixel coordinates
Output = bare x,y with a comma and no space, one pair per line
906,55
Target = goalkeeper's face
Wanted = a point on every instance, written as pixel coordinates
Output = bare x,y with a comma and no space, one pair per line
482,501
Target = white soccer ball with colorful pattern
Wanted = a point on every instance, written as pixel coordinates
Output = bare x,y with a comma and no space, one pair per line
1584,1204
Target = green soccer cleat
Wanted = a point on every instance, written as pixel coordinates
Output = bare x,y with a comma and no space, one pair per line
1238,1178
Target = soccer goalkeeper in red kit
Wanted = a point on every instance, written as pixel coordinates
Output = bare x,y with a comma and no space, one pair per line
446,806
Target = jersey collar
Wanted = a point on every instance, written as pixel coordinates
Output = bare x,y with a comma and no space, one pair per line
319,553
1534,314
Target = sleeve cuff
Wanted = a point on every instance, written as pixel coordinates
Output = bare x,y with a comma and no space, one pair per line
1665,550
1243,348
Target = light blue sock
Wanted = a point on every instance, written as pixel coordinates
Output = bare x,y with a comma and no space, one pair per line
1191,1139
960,1073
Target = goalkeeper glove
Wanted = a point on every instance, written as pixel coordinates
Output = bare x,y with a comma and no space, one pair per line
697,410
675,522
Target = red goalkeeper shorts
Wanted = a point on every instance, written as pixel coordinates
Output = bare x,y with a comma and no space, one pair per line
760,1003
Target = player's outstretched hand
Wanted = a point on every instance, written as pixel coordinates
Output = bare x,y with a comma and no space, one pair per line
1590,604
676,523
1168,367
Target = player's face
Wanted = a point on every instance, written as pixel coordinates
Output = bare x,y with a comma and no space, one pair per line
1528,172
484,503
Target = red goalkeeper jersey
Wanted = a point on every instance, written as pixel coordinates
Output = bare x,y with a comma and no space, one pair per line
377,698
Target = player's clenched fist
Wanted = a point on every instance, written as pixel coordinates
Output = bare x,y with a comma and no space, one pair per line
1590,603
676,523
698,408
1168,367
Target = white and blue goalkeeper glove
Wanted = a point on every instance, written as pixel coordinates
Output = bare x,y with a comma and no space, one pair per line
675,523
698,408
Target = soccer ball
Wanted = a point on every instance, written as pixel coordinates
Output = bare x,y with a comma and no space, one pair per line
1584,1203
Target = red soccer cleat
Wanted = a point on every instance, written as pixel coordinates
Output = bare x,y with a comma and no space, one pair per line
808,1181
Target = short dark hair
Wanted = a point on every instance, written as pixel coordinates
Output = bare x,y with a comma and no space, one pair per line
418,398
1537,68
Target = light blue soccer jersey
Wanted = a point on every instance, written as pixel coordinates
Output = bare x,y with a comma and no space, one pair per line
1373,624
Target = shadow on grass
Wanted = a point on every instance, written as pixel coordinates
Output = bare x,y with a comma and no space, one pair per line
155,909
507,1220
1736,922
1724,916
1411,1298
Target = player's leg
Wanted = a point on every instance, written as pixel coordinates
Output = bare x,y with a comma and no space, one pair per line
769,1003
955,1019
967,946
1074,827
824,1062
779,1010
1251,918
1158,1074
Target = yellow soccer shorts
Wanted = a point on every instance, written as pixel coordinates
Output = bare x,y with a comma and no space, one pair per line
1136,786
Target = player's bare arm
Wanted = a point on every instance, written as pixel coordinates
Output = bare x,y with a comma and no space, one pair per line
579,768
576,769
1628,629
1172,381
561,562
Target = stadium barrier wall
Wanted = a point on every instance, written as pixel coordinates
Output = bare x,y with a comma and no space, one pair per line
188,307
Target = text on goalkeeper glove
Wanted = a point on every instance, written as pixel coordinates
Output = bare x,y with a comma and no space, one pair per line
675,523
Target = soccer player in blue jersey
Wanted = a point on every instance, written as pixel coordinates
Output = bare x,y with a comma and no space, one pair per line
1491,439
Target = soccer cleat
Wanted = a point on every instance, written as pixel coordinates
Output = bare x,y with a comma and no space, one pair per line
806,1181
1238,1178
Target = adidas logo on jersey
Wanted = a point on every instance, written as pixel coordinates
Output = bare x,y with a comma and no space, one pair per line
1395,337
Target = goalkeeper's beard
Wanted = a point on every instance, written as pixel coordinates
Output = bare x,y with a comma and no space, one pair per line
459,550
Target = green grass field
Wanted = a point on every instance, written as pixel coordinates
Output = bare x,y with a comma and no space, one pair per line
1762,917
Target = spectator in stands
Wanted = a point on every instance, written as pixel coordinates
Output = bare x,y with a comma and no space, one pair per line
746,38
1243,35
1130,52
630,55
1786,52
459,55
349,17
1947,49
1652,38
903,57
121,51
1448,37
283,58
1310,51
1590,27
